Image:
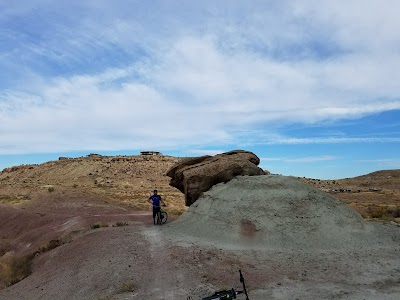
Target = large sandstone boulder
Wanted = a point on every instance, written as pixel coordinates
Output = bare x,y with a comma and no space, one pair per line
197,175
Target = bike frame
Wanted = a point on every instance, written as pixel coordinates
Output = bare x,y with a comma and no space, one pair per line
159,220
227,294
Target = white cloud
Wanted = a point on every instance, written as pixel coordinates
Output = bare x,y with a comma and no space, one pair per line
356,24
197,75
79,113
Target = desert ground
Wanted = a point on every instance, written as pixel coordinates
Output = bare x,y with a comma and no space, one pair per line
82,229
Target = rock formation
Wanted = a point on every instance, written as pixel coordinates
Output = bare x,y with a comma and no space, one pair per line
197,175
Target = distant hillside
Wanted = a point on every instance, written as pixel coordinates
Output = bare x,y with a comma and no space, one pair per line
126,179
129,180
385,179
374,195
382,174
379,180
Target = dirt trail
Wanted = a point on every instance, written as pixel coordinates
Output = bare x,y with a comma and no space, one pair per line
283,235
140,262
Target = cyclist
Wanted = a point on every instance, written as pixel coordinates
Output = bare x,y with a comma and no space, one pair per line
155,199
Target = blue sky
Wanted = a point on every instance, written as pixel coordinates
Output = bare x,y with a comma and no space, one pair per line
310,86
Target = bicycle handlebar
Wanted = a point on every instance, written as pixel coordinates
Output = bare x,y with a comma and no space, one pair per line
224,295
227,294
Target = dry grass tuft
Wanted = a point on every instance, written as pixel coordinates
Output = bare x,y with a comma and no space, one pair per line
120,224
98,225
382,212
51,245
127,287
8,199
176,211
14,268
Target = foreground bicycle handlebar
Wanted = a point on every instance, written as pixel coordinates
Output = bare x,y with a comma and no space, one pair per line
227,294
224,295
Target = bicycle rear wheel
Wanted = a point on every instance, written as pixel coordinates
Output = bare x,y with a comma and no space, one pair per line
164,217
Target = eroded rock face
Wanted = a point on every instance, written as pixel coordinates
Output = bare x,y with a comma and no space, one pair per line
197,175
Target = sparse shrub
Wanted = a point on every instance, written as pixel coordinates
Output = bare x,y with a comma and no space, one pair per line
51,245
5,199
120,224
177,211
51,189
75,186
395,212
382,212
14,268
127,287
98,225
377,213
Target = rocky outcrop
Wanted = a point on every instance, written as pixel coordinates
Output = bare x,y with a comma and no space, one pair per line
197,175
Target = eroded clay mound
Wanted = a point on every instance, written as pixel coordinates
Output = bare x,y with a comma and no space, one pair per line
275,212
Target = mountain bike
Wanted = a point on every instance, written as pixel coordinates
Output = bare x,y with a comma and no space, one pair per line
227,294
161,217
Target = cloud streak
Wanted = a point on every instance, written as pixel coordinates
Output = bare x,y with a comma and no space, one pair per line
309,159
330,140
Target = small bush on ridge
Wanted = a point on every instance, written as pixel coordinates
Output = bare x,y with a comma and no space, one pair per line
98,225
119,224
